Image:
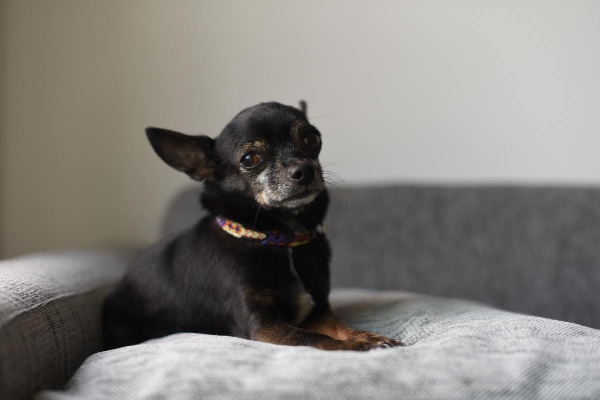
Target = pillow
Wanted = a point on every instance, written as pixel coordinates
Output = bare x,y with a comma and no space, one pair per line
50,316
455,349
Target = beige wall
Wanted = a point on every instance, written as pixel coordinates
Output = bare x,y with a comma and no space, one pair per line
402,90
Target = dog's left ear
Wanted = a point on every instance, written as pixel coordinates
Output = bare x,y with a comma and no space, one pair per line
193,155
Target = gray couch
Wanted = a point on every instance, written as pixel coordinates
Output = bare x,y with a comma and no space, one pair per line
494,289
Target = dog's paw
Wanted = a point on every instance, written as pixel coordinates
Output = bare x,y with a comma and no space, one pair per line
367,341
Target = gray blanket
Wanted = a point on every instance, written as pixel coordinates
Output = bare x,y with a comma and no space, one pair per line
455,350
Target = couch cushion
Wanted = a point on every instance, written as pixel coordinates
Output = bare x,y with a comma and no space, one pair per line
50,316
456,350
527,249
523,248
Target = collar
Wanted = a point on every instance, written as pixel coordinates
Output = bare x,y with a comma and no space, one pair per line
269,238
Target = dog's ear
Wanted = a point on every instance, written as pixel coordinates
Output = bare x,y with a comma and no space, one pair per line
303,108
193,155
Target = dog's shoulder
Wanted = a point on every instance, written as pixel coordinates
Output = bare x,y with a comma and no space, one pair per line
175,250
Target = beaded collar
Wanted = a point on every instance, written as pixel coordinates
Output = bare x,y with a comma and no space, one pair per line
269,238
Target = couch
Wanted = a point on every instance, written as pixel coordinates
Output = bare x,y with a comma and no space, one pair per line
493,289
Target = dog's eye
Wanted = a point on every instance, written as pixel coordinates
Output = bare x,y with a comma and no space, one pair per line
250,160
312,140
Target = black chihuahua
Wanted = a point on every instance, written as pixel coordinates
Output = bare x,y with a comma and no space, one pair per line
257,266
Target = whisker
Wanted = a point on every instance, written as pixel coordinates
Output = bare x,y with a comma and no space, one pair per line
322,115
333,182
331,178
330,164
256,217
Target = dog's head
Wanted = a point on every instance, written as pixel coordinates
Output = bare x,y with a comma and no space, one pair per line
268,152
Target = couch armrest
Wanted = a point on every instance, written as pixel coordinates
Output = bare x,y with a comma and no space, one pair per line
50,315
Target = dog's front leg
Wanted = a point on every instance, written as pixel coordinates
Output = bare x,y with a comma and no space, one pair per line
325,322
277,332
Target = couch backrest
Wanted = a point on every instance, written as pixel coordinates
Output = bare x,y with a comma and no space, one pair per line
534,250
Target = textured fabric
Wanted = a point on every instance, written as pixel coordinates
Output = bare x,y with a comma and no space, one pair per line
527,249
50,316
457,350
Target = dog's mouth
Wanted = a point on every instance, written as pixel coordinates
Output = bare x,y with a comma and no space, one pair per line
295,200
277,187
300,199
300,196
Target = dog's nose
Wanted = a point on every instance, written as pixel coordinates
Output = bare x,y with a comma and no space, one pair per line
302,174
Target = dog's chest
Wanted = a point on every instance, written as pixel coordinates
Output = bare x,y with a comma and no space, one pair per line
304,302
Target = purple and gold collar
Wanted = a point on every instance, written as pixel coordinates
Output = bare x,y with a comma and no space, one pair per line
269,238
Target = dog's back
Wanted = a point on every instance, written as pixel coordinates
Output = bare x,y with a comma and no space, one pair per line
165,290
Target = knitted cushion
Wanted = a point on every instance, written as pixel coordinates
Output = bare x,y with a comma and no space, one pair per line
456,350
50,316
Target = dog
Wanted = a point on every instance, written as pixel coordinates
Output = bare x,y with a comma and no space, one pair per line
257,266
